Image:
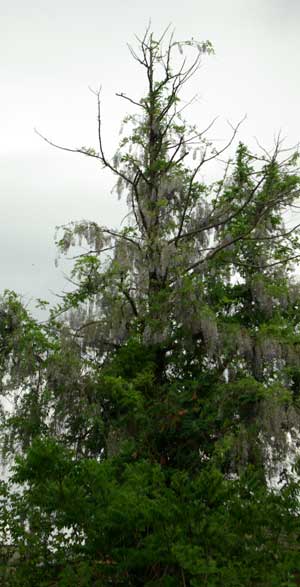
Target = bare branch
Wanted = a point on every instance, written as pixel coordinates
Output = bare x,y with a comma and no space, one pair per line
228,144
136,57
160,40
69,149
122,95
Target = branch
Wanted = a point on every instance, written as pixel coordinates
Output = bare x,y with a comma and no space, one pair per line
276,236
268,265
142,42
235,131
215,223
123,236
69,149
204,159
238,238
87,153
122,95
130,300
91,252
137,196
92,323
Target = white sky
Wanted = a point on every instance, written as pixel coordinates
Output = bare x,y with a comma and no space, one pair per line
50,52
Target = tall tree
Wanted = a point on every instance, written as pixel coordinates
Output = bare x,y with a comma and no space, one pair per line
157,404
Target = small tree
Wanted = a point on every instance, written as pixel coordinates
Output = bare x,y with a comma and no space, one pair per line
167,397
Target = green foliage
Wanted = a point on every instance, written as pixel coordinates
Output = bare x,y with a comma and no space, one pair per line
145,524
151,417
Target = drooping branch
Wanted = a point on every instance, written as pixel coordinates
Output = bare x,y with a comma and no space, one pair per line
121,236
219,220
195,172
243,236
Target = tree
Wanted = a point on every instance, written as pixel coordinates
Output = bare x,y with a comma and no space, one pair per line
158,402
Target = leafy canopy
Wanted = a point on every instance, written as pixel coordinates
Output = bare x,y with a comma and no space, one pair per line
152,412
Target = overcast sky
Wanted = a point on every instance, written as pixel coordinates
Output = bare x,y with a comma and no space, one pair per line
50,52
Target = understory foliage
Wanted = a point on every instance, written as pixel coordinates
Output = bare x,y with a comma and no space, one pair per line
151,418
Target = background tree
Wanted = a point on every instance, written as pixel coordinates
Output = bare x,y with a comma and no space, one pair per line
161,397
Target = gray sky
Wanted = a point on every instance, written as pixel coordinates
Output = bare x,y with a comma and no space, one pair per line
50,52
